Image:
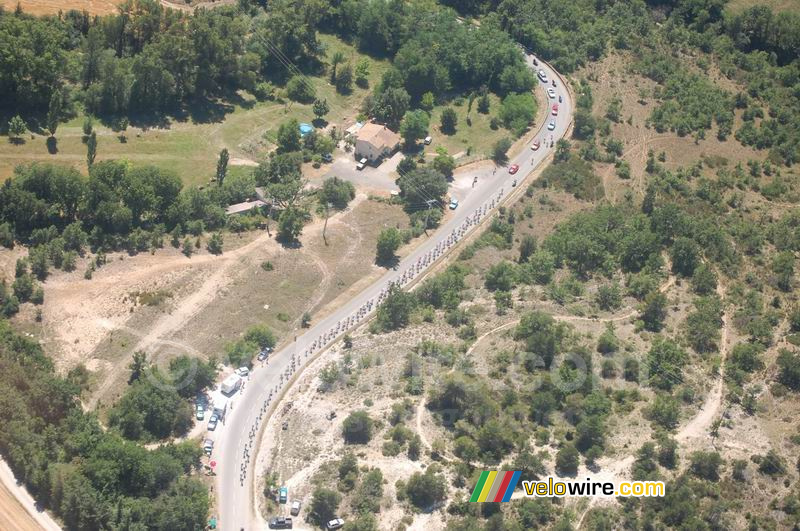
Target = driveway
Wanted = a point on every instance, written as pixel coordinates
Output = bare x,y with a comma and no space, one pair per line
379,177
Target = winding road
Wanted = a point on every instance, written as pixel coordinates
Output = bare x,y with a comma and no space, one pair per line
237,440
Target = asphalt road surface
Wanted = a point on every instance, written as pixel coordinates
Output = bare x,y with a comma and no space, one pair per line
236,440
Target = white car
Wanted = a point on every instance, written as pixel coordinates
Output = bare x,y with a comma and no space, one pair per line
551,125
542,75
336,523
453,204
295,508
212,423
427,141
552,93
361,164
243,371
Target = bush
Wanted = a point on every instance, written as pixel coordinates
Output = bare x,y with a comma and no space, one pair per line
424,490
567,460
357,428
324,506
705,465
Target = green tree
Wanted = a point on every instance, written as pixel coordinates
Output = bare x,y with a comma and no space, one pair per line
54,110
395,312
337,58
289,137
567,460
290,224
705,465
665,362
500,150
321,108
389,240
91,149
369,493
428,101
517,112
362,73
685,256
788,369
664,411
214,244
357,428
16,128
300,89
704,280
260,335
654,310
449,120
414,127
423,490
337,192
501,276
390,106
222,166
324,506
783,267
527,246
444,163
344,79
422,185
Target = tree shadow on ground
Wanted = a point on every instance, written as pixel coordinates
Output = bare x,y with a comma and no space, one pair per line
52,145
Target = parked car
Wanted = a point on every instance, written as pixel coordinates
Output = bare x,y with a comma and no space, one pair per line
336,523
201,412
551,125
295,508
243,371
280,522
551,92
453,204
208,446
514,168
212,423
361,164
555,109
535,144
283,494
427,141
327,157
263,355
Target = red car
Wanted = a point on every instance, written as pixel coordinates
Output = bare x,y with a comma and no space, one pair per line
535,144
555,109
513,169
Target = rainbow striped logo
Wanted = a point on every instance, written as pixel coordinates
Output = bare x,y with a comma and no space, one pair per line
494,486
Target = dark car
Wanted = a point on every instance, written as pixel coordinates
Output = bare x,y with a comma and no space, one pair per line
327,157
280,522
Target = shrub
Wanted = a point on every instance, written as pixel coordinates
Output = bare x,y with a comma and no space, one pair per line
357,428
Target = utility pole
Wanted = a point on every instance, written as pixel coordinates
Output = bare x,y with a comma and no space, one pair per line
430,203
325,227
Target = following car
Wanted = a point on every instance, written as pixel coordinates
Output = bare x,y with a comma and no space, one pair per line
535,144
336,523
514,168
453,204
551,93
280,522
551,125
